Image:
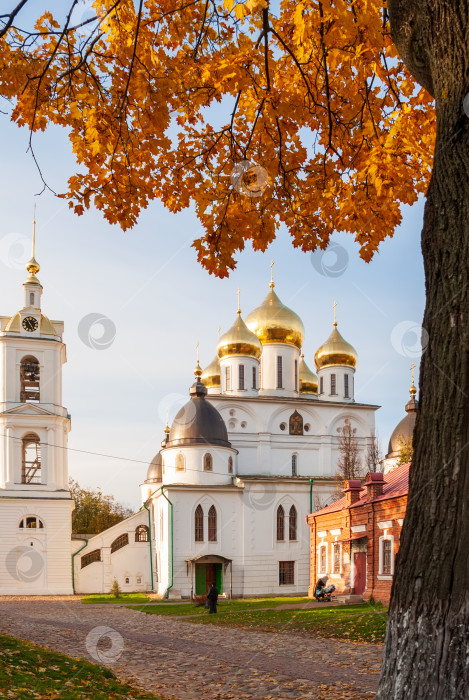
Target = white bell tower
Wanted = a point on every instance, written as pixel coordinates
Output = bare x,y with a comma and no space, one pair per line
35,503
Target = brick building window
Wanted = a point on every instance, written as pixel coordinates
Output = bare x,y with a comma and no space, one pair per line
199,524
286,573
322,559
280,524
387,557
336,558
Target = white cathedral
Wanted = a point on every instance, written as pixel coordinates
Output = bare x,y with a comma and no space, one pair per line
252,452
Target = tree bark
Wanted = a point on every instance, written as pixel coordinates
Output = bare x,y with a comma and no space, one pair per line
426,648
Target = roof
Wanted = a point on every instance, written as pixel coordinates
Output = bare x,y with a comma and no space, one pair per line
397,484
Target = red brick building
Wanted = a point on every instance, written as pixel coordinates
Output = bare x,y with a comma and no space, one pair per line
355,540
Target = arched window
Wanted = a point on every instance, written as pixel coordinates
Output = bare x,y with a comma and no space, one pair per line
87,559
280,524
294,465
29,380
230,465
31,521
180,462
208,462
31,298
119,542
212,524
199,524
292,524
142,534
31,459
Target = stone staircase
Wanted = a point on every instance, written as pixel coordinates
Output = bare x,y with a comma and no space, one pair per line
348,599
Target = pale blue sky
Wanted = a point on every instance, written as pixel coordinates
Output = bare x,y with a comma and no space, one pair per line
148,282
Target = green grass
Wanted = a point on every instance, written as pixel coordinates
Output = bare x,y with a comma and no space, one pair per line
27,671
123,598
361,622
165,608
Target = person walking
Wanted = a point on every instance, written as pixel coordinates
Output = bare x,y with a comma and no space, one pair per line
212,597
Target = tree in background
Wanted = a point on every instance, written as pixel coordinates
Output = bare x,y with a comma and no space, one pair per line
94,511
321,125
349,462
406,450
374,455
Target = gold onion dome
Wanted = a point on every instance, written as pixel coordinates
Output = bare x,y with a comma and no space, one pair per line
211,374
273,322
335,351
308,380
239,340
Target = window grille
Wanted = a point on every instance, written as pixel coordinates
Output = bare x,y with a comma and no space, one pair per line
119,542
292,524
88,559
279,372
280,524
336,559
254,384
208,462
387,556
142,534
286,573
296,375
346,387
241,377
294,462
322,559
31,522
228,378
212,524
333,385
199,524
321,385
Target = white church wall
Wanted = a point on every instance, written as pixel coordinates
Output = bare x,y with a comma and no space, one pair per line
35,561
129,565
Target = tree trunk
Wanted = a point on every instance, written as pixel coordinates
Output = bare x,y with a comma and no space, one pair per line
426,649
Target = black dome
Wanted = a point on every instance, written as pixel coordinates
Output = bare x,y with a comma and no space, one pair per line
155,470
198,422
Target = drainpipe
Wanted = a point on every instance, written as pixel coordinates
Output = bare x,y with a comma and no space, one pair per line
73,565
311,482
171,555
149,540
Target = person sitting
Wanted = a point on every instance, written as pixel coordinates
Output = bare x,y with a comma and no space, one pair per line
319,589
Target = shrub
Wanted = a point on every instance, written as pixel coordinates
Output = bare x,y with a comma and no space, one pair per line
115,590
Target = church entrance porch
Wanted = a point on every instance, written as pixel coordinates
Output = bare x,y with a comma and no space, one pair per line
208,569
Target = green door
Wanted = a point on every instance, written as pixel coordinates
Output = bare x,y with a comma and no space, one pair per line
219,577
200,579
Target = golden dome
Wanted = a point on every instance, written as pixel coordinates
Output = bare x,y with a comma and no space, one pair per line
33,266
211,374
308,380
273,322
239,340
335,351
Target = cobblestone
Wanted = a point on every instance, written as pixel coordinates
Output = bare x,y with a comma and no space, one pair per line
184,661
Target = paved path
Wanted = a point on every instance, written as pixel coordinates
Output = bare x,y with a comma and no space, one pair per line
185,661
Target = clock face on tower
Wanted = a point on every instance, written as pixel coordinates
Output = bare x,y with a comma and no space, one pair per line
30,324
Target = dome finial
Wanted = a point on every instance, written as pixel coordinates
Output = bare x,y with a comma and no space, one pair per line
239,302
272,284
335,314
198,368
413,388
33,266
